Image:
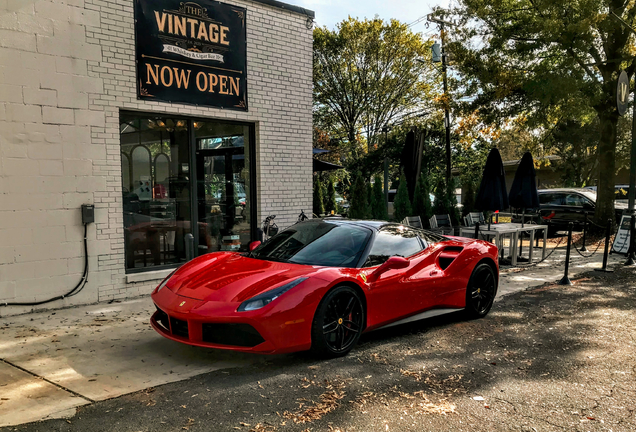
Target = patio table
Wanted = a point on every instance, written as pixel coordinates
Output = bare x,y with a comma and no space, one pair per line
498,231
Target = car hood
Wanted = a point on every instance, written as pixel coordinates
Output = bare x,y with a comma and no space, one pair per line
231,277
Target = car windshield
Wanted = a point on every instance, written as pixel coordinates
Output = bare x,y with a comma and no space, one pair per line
316,243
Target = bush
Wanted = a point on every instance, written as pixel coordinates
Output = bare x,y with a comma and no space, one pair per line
402,204
469,196
379,205
330,203
370,202
441,207
358,207
319,207
422,206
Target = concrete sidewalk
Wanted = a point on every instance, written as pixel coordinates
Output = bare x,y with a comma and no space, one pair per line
53,362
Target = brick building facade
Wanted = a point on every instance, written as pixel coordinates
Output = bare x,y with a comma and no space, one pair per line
73,131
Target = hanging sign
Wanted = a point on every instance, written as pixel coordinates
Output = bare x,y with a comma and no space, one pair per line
622,93
621,241
191,52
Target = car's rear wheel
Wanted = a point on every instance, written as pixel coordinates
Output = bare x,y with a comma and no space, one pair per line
338,322
481,291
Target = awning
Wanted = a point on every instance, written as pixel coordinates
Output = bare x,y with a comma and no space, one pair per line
325,166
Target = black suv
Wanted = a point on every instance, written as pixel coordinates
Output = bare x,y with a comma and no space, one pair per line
561,206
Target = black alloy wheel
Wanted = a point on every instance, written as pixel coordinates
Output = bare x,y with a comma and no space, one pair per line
481,291
338,322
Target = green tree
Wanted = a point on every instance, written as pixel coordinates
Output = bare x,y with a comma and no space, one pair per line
441,204
366,75
380,211
422,206
547,62
331,198
469,192
358,199
402,204
319,207
370,201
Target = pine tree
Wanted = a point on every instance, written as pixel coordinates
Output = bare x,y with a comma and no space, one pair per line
402,204
331,198
440,207
379,205
422,201
319,207
370,202
358,208
469,196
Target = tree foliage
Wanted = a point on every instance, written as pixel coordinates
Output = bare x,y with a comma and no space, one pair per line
422,206
379,210
330,203
402,204
547,63
366,75
319,207
358,199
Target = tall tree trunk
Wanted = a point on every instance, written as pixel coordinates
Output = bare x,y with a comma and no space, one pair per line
606,167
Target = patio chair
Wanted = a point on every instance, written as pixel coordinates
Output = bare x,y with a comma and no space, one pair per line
413,221
473,217
442,224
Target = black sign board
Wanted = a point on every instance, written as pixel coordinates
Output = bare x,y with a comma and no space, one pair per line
191,52
622,93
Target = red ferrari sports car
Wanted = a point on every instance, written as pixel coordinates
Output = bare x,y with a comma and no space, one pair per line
320,284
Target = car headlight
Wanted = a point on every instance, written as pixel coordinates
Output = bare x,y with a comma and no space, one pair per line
165,281
264,299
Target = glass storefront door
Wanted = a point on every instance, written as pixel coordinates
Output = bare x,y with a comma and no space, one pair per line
223,188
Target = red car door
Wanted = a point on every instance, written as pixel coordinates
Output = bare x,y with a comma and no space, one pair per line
398,293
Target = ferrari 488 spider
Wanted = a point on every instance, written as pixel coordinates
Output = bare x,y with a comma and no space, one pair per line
320,284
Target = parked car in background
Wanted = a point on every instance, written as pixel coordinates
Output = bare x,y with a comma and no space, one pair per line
620,192
559,207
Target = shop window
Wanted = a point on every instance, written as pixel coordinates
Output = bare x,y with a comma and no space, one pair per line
163,198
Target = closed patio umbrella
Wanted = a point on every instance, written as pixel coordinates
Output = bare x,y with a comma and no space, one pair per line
523,193
493,194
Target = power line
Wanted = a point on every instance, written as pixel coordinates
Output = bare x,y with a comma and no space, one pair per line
417,21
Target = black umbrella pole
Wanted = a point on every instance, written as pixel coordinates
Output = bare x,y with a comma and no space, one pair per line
566,280
608,232
477,230
584,249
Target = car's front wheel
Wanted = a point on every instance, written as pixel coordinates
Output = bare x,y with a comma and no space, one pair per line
338,322
481,291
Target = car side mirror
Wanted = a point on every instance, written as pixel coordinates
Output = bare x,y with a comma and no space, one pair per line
393,263
254,245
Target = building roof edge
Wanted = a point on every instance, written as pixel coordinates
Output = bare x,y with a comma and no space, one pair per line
281,5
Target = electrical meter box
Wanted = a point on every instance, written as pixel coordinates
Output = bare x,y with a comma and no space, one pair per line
88,213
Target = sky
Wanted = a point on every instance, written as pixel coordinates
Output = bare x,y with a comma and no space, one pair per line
330,12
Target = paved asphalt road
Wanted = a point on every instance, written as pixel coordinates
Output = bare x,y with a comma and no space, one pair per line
550,359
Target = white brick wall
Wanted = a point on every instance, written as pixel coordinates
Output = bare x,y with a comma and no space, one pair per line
67,68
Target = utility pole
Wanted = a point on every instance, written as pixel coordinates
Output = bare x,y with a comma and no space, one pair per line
442,23
631,254
385,129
